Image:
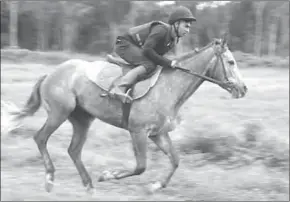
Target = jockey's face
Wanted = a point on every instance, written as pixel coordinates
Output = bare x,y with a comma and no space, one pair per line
183,27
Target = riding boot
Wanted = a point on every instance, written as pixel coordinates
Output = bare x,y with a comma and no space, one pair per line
126,82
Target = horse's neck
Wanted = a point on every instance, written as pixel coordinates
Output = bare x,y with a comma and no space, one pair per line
191,54
180,85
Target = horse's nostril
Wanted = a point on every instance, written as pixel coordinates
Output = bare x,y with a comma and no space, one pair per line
245,88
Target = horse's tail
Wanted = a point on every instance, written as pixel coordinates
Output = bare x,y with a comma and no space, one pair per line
34,101
13,116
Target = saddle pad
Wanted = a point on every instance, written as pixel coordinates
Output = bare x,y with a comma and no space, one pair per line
104,74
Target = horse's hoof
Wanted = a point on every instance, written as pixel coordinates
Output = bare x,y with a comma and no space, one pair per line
90,190
106,175
154,187
48,182
48,185
101,178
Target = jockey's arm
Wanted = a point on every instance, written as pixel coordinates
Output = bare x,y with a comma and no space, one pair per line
157,34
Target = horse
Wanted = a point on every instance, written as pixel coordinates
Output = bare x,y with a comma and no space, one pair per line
68,94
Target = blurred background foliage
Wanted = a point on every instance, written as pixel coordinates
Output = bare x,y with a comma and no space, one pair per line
254,27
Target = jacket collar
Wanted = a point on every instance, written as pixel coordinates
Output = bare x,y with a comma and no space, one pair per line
169,39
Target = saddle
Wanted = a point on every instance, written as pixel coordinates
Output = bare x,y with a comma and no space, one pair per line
107,73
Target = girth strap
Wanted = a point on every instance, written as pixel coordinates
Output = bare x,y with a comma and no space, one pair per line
126,108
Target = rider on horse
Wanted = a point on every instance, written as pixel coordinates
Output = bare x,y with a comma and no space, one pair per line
144,46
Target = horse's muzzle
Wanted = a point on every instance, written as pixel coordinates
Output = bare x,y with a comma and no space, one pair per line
239,91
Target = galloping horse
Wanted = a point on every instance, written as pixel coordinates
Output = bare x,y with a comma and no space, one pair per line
68,94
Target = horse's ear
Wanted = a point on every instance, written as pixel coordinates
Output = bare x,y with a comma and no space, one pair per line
224,38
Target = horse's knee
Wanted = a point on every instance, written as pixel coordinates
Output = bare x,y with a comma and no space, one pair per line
72,153
140,170
175,163
40,141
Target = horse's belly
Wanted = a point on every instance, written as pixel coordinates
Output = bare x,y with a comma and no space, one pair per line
106,109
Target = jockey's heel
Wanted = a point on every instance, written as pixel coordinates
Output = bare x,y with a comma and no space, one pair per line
128,80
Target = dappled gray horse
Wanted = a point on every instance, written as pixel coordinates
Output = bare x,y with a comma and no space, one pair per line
68,94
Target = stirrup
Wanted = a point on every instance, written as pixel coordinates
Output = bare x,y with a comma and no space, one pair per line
124,97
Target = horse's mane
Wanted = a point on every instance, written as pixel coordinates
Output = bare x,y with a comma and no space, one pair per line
190,55
193,53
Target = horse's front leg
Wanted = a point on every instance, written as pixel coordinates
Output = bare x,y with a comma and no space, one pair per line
163,141
139,141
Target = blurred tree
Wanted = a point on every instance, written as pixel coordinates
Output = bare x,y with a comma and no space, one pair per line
116,11
275,12
241,25
4,17
27,35
143,12
283,35
92,26
72,14
259,26
41,15
4,24
207,25
13,26
36,26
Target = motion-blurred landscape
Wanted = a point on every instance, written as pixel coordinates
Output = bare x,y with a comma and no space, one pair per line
230,150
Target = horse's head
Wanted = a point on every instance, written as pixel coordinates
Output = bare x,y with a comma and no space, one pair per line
225,69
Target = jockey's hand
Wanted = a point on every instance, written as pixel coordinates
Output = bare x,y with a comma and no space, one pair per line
174,64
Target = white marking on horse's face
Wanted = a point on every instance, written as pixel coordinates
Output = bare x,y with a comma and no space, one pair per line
234,74
232,67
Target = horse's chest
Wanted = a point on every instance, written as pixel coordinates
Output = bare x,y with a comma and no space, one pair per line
163,126
152,120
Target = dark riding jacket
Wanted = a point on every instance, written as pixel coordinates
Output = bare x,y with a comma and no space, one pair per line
155,39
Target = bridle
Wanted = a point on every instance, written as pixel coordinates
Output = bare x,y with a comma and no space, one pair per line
227,84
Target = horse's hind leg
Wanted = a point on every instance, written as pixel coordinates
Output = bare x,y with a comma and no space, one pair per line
58,107
54,120
81,122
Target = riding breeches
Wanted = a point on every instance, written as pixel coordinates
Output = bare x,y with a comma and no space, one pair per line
133,54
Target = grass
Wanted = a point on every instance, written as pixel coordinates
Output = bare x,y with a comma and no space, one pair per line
230,150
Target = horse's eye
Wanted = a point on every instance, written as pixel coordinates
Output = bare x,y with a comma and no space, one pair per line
231,62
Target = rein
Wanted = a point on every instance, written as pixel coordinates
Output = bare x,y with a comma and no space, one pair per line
200,76
225,84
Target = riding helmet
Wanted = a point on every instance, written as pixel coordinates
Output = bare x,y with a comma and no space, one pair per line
181,13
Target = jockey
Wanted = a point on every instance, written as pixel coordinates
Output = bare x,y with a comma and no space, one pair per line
144,46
